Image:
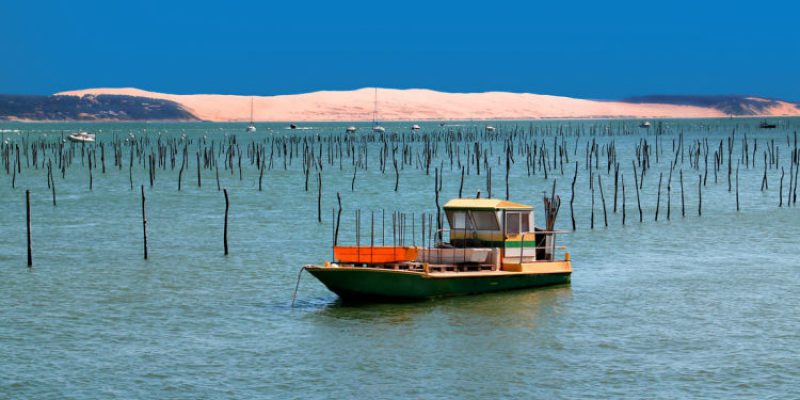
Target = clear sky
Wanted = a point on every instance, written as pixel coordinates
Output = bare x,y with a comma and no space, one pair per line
593,49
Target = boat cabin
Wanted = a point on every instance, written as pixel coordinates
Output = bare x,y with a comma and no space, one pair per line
494,223
484,235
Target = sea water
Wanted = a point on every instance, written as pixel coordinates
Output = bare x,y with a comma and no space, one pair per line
694,307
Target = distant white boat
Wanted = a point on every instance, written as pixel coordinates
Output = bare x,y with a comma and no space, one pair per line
81,137
252,126
415,127
351,129
375,126
489,128
645,124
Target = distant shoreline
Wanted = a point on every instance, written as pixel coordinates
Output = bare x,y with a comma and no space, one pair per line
483,121
382,105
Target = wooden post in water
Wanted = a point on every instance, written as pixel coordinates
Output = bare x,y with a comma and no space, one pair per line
669,193
90,173
623,199
338,219
216,169
636,186
780,191
319,197
199,183
144,224
225,232
658,198
180,177
52,181
572,199
603,198
396,174
737,185
260,174
461,186
592,188
28,224
700,196
683,208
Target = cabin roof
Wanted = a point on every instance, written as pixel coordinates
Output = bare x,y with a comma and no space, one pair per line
485,204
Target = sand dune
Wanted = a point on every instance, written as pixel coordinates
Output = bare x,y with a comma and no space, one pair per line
417,104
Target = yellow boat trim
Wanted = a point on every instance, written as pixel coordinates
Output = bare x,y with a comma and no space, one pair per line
486,204
534,268
541,267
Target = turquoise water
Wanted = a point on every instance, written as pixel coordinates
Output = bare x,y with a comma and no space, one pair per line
694,307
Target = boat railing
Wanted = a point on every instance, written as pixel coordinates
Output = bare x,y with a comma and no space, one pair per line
549,246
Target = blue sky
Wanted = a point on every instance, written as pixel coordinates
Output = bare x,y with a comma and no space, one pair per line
599,49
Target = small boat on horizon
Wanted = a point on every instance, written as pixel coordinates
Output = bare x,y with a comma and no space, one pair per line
493,246
292,126
252,126
645,124
415,127
766,125
489,128
351,129
375,126
81,137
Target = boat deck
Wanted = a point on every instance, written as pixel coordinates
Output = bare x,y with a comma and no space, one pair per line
457,270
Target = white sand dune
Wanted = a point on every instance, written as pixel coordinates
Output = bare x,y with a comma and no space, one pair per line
416,104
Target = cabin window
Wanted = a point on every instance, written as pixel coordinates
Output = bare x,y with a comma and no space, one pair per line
459,220
517,222
512,223
485,220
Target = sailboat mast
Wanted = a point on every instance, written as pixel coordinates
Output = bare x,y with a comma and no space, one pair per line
375,108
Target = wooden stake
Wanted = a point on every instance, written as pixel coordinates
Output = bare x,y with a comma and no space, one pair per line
603,198
144,224
225,232
572,200
700,196
28,225
319,197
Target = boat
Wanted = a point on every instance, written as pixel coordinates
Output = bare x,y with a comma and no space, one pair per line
489,128
645,124
415,127
351,129
376,127
491,245
252,126
81,137
292,126
767,125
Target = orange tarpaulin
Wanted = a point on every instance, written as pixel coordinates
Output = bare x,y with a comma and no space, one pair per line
374,255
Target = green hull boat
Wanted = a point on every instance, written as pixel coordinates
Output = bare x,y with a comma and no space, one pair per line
493,246
371,284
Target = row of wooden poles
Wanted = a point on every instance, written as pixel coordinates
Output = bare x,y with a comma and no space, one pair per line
144,224
155,154
165,152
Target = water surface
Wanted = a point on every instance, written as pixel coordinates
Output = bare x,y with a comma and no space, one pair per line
694,307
